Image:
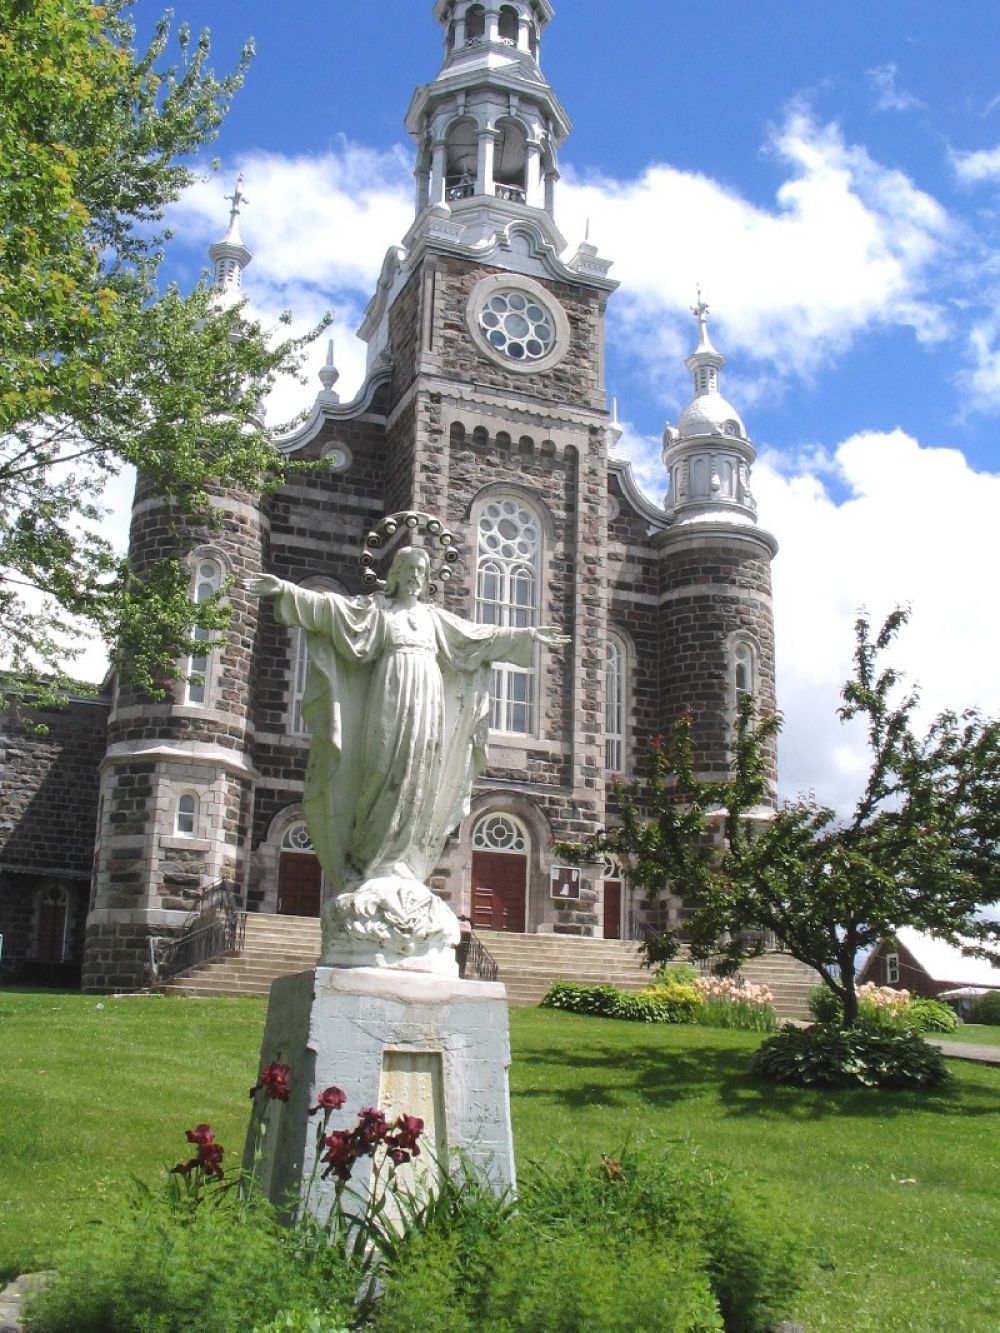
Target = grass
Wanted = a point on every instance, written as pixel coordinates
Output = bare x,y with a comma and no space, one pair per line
898,1190
972,1034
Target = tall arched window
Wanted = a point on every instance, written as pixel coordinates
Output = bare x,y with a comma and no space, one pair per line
207,582
614,706
743,671
507,27
186,821
300,663
475,24
507,584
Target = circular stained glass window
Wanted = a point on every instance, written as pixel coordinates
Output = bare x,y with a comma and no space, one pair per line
518,326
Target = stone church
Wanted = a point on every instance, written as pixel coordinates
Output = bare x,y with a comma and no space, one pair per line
482,431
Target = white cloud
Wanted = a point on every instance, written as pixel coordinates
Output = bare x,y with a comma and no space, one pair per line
849,245
917,527
978,167
888,96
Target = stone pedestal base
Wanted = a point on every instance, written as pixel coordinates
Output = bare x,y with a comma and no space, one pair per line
408,1043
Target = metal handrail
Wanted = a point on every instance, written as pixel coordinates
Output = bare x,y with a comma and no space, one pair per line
638,928
474,959
216,926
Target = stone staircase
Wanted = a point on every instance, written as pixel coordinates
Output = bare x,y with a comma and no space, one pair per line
278,946
530,963
274,946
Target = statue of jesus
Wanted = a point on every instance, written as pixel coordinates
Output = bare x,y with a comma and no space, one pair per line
397,701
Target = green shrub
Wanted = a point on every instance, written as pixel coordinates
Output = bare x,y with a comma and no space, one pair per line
647,1243
927,1015
825,1005
844,1057
738,1014
684,973
681,998
160,1267
987,1009
607,1002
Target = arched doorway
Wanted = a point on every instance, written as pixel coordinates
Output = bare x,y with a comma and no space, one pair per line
499,874
612,899
300,877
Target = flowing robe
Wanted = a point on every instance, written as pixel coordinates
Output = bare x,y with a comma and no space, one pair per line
397,700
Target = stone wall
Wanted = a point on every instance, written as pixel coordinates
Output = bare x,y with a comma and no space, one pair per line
48,817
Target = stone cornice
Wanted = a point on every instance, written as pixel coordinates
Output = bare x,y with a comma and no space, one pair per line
209,756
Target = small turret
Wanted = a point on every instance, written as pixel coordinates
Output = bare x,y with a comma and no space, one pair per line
708,454
230,256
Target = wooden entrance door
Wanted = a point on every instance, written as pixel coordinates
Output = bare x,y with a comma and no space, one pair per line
300,882
612,909
499,891
51,928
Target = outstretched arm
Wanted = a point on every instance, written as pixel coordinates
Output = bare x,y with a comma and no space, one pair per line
551,636
264,585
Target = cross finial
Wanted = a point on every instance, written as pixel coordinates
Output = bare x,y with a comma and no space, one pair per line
701,309
236,199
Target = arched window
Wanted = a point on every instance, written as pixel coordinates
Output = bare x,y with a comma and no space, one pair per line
744,675
296,837
500,833
207,582
508,25
475,24
507,595
186,819
614,706
297,725
510,161
463,159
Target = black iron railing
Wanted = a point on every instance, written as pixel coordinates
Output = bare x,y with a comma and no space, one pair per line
638,928
475,960
216,926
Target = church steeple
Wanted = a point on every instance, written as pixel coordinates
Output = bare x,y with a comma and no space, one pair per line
708,454
230,256
489,127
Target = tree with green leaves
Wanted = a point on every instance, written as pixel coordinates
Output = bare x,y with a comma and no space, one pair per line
99,367
921,847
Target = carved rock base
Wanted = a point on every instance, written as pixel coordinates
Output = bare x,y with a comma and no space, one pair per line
390,922
428,1046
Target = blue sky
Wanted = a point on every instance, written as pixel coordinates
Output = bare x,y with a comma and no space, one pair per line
830,174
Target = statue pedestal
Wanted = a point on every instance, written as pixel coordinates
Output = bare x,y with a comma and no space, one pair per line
405,1042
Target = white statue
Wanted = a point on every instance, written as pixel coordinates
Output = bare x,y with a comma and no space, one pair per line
397,701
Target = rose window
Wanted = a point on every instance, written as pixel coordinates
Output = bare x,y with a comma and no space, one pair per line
518,326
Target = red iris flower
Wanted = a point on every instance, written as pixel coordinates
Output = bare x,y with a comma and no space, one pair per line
330,1099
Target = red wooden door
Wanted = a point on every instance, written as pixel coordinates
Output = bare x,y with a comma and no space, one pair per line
612,909
51,931
499,891
300,881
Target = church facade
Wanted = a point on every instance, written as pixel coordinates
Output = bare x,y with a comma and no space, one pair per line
483,432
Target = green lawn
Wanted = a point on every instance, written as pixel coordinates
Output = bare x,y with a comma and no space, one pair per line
973,1034
898,1191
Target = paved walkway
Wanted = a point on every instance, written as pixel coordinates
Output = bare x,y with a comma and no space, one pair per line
960,1050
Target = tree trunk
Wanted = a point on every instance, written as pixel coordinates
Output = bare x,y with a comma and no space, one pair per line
850,1003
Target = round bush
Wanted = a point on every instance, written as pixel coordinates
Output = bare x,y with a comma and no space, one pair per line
987,1009
926,1015
828,1056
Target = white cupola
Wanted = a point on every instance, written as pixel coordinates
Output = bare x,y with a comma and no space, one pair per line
230,256
708,454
